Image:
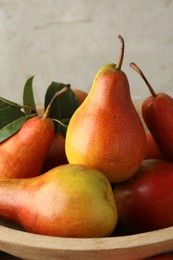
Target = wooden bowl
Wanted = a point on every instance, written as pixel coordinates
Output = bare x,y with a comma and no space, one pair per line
30,246
25,245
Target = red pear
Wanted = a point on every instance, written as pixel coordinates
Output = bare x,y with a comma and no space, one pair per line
23,154
153,150
56,154
157,111
144,202
80,95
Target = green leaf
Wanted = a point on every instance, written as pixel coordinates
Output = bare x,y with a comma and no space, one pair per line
62,108
5,102
64,105
28,97
11,128
9,114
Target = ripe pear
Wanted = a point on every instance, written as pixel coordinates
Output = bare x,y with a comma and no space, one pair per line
153,150
144,202
67,201
106,132
56,155
23,154
80,95
157,111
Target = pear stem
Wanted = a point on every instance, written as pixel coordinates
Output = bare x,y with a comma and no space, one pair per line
120,61
136,68
57,94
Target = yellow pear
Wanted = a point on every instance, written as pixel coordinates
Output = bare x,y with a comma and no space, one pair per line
67,201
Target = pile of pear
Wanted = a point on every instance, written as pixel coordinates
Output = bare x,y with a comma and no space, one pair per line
108,172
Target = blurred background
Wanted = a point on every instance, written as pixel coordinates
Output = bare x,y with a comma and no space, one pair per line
68,41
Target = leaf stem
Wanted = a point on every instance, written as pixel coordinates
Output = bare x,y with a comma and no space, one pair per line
135,67
120,61
57,94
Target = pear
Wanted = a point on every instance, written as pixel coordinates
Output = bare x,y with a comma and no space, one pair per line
144,202
80,95
67,201
153,151
23,154
157,112
106,132
56,155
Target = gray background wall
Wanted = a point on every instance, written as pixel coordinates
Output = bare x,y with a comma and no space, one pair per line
69,40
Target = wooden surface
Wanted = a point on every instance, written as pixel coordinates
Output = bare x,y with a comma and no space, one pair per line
31,246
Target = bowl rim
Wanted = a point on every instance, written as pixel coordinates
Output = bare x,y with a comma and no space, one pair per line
20,238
